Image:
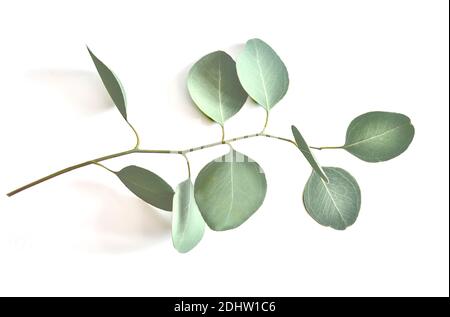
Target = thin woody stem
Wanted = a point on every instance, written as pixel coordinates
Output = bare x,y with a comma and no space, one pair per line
137,150
66,170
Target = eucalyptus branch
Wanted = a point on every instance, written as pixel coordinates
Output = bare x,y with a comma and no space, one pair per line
227,195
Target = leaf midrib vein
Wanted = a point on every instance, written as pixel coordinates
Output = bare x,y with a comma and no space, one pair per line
220,91
375,136
230,210
263,82
334,203
141,186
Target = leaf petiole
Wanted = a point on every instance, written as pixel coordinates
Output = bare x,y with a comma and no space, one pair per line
266,122
326,148
138,141
103,166
188,165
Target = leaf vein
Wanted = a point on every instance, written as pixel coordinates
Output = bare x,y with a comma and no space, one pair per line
375,136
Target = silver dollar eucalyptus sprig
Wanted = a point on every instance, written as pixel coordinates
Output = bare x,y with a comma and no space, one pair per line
230,189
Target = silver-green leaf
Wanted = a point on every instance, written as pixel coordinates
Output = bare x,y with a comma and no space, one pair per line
379,136
306,151
215,88
334,204
262,73
112,84
148,186
229,190
188,225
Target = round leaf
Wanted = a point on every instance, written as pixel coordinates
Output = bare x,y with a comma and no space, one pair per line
112,84
229,190
188,225
148,186
306,151
334,204
215,88
379,136
262,73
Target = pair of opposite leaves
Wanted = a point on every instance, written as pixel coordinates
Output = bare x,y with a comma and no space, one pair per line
219,86
228,194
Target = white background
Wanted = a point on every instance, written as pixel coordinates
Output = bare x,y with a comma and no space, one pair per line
85,234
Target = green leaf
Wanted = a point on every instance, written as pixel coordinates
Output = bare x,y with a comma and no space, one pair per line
379,136
306,151
112,84
229,190
215,88
262,73
148,186
188,225
334,204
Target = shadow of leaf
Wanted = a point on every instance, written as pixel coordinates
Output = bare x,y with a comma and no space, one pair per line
123,222
81,89
235,50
